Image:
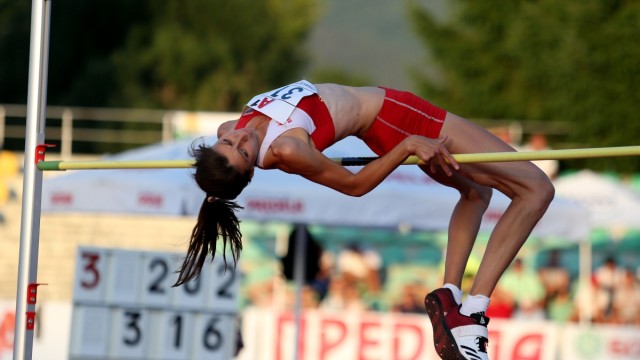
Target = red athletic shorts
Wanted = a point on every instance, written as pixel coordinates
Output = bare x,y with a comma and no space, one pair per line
403,114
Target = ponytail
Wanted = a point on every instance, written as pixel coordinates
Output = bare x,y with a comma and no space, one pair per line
216,218
221,182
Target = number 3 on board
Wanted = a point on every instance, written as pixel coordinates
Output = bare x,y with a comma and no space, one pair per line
89,284
129,338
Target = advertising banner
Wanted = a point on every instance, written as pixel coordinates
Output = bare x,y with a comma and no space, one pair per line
601,342
326,335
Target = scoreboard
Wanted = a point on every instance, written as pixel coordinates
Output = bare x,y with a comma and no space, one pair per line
125,308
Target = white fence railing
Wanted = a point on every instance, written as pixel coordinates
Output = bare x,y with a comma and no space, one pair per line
72,124
69,130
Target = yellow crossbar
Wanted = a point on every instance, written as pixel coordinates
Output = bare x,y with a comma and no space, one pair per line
359,161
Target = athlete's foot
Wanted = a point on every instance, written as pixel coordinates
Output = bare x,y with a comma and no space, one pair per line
438,303
467,337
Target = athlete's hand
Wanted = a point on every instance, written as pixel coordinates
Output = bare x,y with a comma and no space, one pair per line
433,152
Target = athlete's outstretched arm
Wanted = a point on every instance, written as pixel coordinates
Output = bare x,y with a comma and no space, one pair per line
297,157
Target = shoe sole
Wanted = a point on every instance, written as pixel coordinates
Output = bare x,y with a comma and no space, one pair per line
443,340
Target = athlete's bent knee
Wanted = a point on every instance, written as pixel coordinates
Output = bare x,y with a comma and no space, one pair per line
480,194
548,192
541,196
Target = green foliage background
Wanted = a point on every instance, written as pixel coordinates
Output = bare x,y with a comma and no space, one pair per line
541,62
213,54
570,61
193,55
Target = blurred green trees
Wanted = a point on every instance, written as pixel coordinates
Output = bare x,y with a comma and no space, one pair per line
213,54
573,61
199,54
569,61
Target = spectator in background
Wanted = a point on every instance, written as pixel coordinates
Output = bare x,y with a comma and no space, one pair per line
523,285
309,298
501,305
323,278
553,275
626,300
560,307
538,142
360,265
9,166
410,300
607,276
9,169
530,310
373,296
353,300
556,281
590,300
334,300
264,293
343,295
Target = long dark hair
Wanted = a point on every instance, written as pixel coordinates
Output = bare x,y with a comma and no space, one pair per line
222,183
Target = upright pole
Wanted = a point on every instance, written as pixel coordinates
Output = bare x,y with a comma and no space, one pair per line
585,314
32,183
66,134
299,275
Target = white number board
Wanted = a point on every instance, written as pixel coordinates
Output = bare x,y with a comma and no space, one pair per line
126,308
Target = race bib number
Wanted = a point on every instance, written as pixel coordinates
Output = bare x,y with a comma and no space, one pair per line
278,104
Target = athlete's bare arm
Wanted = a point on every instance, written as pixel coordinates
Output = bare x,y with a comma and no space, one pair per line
297,155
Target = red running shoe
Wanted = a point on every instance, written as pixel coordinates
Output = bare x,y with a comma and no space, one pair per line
438,303
467,337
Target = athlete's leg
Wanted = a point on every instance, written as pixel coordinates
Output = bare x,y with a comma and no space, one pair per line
529,189
463,230
462,333
464,224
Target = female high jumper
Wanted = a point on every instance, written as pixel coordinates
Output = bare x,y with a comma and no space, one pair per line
288,128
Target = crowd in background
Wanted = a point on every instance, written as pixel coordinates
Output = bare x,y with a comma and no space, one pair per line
612,294
354,280
9,170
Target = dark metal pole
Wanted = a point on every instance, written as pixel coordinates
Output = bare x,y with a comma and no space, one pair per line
299,267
